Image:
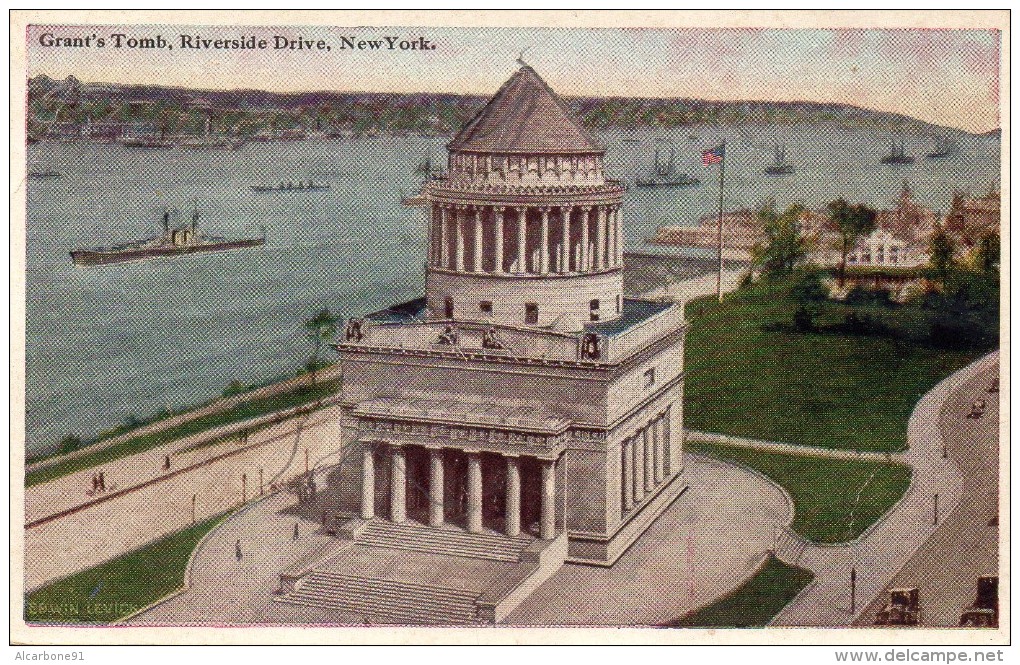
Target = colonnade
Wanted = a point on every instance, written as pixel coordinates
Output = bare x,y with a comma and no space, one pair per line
437,491
645,461
542,240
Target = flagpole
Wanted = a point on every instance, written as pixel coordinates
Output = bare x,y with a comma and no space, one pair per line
722,175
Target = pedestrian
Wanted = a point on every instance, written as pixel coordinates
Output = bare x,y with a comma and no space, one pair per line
102,481
237,550
95,483
296,534
166,463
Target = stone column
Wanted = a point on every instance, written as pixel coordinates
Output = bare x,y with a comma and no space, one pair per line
513,496
565,247
458,221
548,521
478,241
544,267
368,484
638,468
662,470
628,474
610,241
600,240
660,460
474,489
522,239
444,239
398,485
497,213
585,252
646,443
618,219
437,495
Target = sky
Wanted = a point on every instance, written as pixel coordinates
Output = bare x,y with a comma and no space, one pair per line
946,77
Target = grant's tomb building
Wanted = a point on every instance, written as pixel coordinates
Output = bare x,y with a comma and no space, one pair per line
523,414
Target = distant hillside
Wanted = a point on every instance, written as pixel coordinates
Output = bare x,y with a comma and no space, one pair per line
248,111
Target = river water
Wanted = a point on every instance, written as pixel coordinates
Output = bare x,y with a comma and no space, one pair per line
105,343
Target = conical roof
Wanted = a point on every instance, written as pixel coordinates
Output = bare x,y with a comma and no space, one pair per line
525,116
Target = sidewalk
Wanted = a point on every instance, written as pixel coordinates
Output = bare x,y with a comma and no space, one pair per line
884,548
105,530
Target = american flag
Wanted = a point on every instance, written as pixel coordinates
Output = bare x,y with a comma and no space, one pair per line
713,156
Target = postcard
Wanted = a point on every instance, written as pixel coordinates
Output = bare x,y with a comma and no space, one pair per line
665,327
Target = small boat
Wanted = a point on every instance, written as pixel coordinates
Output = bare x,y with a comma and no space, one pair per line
943,148
145,142
897,154
300,186
665,174
43,174
780,166
176,240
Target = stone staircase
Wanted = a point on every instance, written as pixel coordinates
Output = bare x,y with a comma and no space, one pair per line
448,541
362,599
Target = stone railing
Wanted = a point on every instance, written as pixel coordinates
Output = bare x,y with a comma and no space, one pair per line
654,328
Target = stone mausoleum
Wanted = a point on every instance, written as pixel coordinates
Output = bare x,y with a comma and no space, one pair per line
523,405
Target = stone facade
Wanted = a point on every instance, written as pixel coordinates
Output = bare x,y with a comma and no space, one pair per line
523,394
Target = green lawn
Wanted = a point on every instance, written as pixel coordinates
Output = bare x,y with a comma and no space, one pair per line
120,587
753,604
825,491
244,411
749,373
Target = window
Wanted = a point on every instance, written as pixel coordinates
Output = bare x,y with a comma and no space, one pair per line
894,254
448,307
485,306
593,309
531,312
880,255
649,377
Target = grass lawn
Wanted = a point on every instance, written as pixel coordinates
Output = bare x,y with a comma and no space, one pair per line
117,588
824,490
749,373
753,604
244,411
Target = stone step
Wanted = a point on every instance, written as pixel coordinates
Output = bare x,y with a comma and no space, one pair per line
385,599
444,541
376,604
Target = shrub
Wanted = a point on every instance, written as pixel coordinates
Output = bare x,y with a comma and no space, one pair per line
70,443
235,387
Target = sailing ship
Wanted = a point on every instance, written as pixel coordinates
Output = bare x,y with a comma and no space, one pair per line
780,166
665,174
176,240
897,154
943,148
299,186
430,170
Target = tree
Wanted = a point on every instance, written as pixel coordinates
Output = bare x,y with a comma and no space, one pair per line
851,222
940,252
321,329
809,293
987,253
784,246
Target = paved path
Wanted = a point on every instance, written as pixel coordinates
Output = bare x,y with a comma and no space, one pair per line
884,548
686,290
966,544
224,590
102,531
789,448
707,544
